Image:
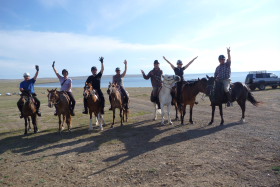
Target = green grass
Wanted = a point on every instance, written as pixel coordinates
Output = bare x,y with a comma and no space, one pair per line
276,169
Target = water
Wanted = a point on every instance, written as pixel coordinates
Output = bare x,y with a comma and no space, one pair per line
139,81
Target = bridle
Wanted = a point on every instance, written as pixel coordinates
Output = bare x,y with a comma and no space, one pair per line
168,85
56,99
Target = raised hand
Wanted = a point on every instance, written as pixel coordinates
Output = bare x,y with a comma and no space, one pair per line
142,71
228,50
164,58
37,68
125,62
101,59
53,64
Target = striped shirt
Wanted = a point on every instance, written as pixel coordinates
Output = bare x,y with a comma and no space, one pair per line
223,71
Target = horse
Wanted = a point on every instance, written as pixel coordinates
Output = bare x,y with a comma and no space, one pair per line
94,106
61,100
239,92
188,96
165,97
117,102
29,109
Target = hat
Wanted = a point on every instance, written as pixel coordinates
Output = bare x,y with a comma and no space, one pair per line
221,57
26,74
156,62
179,62
118,69
64,70
93,68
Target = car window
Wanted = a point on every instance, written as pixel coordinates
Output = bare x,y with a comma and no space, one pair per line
259,75
273,75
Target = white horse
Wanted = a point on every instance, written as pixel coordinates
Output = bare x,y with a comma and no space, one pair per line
165,97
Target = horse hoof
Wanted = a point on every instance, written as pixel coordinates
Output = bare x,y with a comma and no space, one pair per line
242,120
29,129
191,122
101,129
210,123
221,124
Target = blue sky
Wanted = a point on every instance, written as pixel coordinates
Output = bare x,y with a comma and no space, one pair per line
75,33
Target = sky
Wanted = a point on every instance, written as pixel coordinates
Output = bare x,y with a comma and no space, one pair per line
76,33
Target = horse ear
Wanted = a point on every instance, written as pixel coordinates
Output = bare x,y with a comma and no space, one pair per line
207,76
55,89
198,79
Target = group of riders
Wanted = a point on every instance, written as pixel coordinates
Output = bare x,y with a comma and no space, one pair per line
222,74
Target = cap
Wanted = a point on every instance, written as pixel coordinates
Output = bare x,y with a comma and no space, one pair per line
26,74
221,57
93,68
118,69
64,70
156,62
179,62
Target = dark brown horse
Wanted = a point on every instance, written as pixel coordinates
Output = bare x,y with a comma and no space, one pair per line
239,92
117,102
62,101
94,106
189,93
29,109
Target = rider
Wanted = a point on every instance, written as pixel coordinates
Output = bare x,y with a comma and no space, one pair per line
179,70
223,72
118,79
66,86
156,81
95,79
28,86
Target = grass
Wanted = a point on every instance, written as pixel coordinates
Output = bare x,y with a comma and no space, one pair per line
276,169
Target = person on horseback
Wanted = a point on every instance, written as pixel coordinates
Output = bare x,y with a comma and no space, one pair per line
179,70
66,86
118,79
222,74
156,81
95,79
27,86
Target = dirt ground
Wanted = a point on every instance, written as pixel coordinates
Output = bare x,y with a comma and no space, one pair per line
142,152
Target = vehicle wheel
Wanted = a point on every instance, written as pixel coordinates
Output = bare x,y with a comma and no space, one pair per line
252,87
274,86
262,87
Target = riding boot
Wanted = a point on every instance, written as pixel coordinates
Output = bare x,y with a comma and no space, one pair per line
20,109
72,113
229,104
39,112
158,103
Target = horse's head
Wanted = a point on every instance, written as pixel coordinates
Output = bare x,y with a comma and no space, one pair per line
88,90
53,97
210,84
170,79
202,85
113,88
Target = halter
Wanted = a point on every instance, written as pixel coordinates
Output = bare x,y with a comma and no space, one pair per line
56,101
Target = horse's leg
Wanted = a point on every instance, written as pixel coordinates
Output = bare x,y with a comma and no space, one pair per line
113,118
90,121
34,122
176,116
99,118
213,113
96,121
191,108
121,116
155,114
183,113
162,113
29,126
102,120
63,122
25,124
242,105
168,113
59,123
221,114
68,121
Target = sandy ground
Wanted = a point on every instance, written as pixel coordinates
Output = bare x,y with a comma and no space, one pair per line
142,152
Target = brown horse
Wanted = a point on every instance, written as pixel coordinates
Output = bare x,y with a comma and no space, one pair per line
29,109
94,106
117,102
62,101
189,93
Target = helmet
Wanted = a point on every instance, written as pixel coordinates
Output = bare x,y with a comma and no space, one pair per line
221,57
26,74
118,69
156,62
64,70
93,68
179,62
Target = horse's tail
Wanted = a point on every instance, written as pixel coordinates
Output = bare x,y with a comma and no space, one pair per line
252,99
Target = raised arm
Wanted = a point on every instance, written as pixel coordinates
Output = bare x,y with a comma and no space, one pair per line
186,66
37,72
102,65
145,76
172,66
55,71
125,69
229,57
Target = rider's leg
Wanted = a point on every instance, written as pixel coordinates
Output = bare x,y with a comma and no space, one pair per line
124,93
72,103
38,103
155,95
226,84
110,99
102,100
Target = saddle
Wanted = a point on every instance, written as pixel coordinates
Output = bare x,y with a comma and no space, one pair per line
218,93
29,96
